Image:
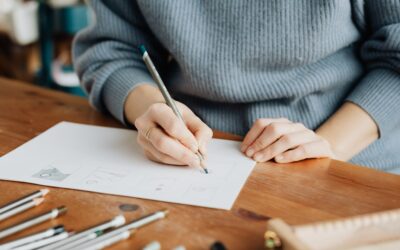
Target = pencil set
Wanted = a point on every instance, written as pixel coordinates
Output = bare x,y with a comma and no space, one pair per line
57,238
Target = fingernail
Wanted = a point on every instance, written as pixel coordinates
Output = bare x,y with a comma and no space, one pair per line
243,148
250,152
258,157
279,158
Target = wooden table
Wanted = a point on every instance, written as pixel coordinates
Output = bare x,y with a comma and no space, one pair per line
303,192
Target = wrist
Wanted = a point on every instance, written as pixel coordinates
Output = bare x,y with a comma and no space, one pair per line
139,100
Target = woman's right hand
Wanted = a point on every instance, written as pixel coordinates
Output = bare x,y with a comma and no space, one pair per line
165,138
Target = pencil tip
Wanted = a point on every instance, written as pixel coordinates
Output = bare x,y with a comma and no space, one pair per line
165,211
62,210
206,170
44,191
142,49
38,201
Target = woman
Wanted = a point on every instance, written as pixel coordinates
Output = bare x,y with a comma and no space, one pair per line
299,79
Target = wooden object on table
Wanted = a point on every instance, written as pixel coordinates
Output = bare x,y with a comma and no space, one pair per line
299,193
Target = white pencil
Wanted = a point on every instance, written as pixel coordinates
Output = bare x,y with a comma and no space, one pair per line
128,227
33,221
33,237
116,222
19,209
38,194
109,241
44,242
78,242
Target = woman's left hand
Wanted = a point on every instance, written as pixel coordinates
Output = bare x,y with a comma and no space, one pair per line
283,141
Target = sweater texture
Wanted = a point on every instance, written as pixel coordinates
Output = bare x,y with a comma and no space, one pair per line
235,61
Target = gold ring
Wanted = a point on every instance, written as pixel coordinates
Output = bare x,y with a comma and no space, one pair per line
148,132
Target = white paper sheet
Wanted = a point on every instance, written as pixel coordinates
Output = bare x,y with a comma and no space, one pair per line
108,160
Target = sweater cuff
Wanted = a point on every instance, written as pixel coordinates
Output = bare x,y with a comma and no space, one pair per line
119,85
378,94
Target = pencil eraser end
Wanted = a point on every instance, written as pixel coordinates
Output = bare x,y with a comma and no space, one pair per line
142,49
119,221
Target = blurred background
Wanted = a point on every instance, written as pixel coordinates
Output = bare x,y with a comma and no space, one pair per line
36,38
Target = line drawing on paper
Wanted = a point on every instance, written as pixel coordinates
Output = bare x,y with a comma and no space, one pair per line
105,176
52,174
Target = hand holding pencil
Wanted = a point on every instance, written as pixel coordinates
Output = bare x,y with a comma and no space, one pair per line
169,132
166,139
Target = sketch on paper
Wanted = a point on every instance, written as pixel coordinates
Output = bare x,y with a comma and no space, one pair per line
109,160
52,174
105,176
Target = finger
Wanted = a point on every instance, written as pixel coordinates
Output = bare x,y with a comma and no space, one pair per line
315,149
284,143
255,131
169,146
166,118
153,154
201,131
272,133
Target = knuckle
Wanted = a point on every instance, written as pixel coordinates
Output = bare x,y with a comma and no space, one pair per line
161,143
273,128
302,150
310,133
139,122
300,125
260,123
209,132
287,139
273,150
163,158
174,128
259,144
156,108
153,109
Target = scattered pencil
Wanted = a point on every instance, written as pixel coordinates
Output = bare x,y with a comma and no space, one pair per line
109,241
33,221
21,208
33,237
38,194
143,221
71,241
79,241
44,242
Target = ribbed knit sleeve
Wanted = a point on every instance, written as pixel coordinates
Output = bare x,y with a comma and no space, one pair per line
106,57
378,92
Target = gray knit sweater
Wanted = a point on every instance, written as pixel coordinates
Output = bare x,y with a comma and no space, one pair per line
233,61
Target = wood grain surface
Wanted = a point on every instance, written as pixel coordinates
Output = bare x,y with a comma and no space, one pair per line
299,193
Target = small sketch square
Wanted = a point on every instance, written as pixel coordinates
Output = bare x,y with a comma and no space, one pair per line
52,174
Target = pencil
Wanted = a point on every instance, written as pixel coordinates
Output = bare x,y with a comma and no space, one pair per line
87,234
33,237
20,209
168,99
44,242
138,223
33,221
38,194
109,241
